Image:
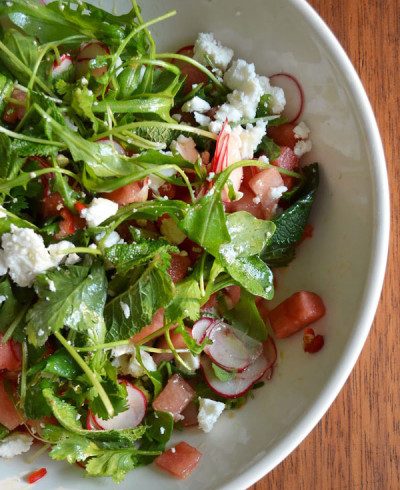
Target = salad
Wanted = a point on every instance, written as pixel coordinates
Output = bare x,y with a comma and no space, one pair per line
146,199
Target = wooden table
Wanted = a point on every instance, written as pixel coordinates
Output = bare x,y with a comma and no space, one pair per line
357,444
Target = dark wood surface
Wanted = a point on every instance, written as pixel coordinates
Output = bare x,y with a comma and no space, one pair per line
357,444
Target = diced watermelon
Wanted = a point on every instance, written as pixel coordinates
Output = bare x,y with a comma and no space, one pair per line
178,343
9,416
211,303
179,461
190,415
263,185
52,205
179,267
69,224
193,75
283,135
248,202
289,161
134,192
15,112
174,397
10,355
156,324
295,313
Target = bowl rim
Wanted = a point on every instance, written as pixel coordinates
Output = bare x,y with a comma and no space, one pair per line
377,267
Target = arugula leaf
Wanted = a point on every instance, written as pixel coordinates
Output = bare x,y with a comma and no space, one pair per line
154,289
205,222
185,303
245,317
126,256
240,256
291,223
77,302
24,48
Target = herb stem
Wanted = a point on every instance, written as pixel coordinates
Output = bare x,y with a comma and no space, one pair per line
24,349
195,63
178,358
80,250
32,139
106,346
89,373
13,325
25,177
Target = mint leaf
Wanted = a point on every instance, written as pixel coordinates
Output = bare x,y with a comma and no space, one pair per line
152,290
77,302
126,256
185,303
291,223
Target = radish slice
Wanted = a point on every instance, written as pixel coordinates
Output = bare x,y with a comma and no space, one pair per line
293,93
91,424
231,349
114,144
240,384
137,405
200,327
87,52
62,66
270,352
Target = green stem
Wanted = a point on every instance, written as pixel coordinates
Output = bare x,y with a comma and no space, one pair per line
163,64
106,346
89,373
156,124
24,348
81,250
26,177
32,139
177,357
13,325
195,63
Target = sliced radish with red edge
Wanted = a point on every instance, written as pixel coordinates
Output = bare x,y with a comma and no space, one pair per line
231,349
62,66
200,327
137,405
114,144
293,93
240,384
270,352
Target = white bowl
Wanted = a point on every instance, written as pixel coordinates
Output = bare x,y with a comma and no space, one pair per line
344,262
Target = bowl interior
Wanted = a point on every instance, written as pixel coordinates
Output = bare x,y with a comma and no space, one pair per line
337,263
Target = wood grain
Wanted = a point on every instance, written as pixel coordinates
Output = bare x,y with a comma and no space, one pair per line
357,444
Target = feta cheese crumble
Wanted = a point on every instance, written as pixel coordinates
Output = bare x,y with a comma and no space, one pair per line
276,192
201,119
124,359
25,255
98,211
2,212
112,239
301,131
207,49
302,147
196,105
209,412
125,309
2,299
15,444
52,286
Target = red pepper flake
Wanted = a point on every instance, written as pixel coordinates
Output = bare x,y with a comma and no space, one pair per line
36,475
79,206
312,343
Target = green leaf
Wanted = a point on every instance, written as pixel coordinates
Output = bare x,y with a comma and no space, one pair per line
35,406
61,364
221,374
240,256
127,256
253,274
3,432
291,223
70,447
269,148
185,303
6,88
82,103
77,302
205,223
152,290
245,317
9,164
160,426
115,464
248,235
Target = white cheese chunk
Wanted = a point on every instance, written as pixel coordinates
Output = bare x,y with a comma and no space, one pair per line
112,239
2,212
301,131
201,119
56,251
25,255
209,412
196,105
302,147
207,49
98,211
15,444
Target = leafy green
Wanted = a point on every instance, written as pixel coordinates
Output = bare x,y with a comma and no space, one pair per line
240,256
3,432
291,223
82,103
245,317
126,256
77,302
269,148
185,303
6,88
221,374
35,406
152,290
9,164
115,463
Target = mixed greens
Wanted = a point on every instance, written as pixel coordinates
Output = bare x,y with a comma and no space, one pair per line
87,105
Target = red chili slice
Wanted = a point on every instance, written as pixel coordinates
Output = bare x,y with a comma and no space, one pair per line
36,475
312,343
